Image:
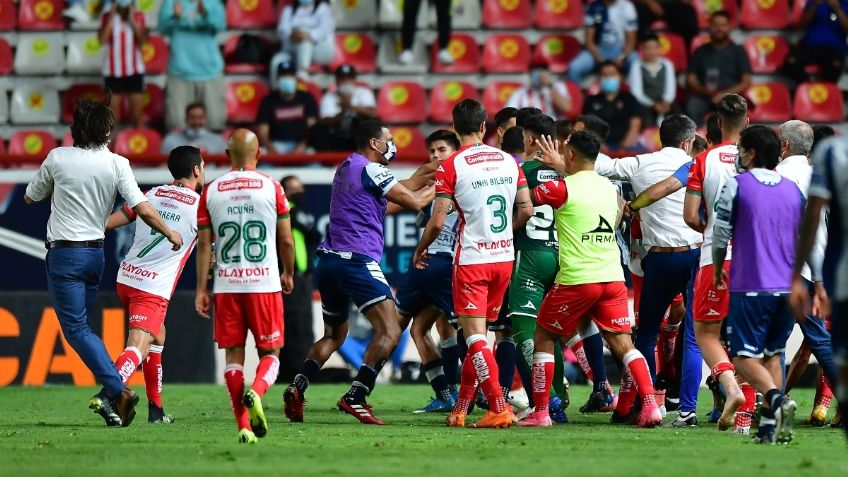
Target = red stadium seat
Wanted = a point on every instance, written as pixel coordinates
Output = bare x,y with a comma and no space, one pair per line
153,103
6,59
673,48
247,14
705,8
556,51
558,14
402,102
155,54
444,97
33,143
409,141
465,52
356,49
8,16
797,13
243,98
506,53
699,40
819,103
497,93
41,15
231,62
766,14
310,88
134,142
76,93
766,53
770,102
576,95
506,14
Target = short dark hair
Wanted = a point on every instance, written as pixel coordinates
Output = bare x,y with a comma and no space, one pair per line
513,140
525,113
699,145
765,142
286,179
606,63
468,116
713,129
650,36
540,125
195,105
720,14
564,128
675,129
585,145
732,110
594,125
820,133
444,135
504,115
93,123
182,161
365,131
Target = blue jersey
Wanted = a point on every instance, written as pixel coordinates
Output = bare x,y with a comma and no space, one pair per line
830,182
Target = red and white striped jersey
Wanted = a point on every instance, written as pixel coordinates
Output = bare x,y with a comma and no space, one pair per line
482,181
242,208
712,168
123,55
150,265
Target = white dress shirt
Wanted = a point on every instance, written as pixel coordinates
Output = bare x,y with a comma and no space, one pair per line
662,222
331,103
799,170
83,183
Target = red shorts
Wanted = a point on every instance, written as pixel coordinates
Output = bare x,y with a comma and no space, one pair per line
261,313
566,305
637,294
709,304
478,290
146,311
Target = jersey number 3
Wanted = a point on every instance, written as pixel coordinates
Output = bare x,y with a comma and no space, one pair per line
499,212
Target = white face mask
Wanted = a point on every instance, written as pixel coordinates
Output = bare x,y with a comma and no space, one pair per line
347,88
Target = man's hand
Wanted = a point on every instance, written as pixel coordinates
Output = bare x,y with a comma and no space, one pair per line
821,302
717,97
346,101
719,278
420,258
178,8
299,36
287,281
202,303
662,107
799,299
545,79
176,240
550,156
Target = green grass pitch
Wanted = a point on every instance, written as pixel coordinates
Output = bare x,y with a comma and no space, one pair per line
49,431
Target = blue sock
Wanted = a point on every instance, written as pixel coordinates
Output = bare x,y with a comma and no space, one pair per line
450,360
463,346
593,346
505,357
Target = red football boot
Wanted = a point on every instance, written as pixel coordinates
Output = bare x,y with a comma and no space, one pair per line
363,412
293,403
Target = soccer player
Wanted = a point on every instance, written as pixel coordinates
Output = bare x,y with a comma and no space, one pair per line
760,211
148,275
504,119
349,266
424,297
486,186
590,282
249,216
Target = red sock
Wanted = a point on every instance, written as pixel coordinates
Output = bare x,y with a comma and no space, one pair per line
543,378
266,374
626,394
750,394
127,362
576,347
153,375
823,392
638,367
665,350
483,361
234,377
467,389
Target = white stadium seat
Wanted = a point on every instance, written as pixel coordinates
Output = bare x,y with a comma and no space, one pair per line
391,14
40,53
355,14
34,103
85,55
390,49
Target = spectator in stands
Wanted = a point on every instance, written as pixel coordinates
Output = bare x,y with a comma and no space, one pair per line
286,115
825,24
653,81
610,36
543,92
716,69
410,23
679,16
122,30
195,133
618,108
504,119
341,110
513,143
196,66
307,31
713,135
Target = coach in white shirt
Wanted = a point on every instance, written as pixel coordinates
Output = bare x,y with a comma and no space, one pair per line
543,92
83,181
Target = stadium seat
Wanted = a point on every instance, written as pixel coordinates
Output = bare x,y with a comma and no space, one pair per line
153,103
247,14
33,143
766,53
67,139
134,142
4,108
765,14
355,14
577,99
390,48
797,13
445,95
310,88
231,62
506,53
558,14
465,14
818,103
40,53
243,98
155,54
75,93
506,14
409,141
85,56
556,51
705,8
390,15
8,16
150,9
34,103
357,49
770,102
6,59
673,48
402,102
41,15
465,52
497,93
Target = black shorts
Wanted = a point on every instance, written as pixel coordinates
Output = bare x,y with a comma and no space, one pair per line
126,84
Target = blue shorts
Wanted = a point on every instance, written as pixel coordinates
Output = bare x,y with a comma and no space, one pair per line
758,324
431,286
341,278
839,332
504,321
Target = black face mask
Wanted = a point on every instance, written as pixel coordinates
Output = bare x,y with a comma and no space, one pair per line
297,197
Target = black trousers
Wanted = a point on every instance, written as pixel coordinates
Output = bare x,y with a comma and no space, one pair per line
829,60
680,17
410,17
298,334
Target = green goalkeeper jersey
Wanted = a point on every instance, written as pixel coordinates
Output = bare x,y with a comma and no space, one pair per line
540,231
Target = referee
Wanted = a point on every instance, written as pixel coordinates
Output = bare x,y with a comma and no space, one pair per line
83,181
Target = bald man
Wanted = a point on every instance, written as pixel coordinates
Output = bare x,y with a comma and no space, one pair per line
246,211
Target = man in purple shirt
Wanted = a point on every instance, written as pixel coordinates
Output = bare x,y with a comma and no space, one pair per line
761,211
349,265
